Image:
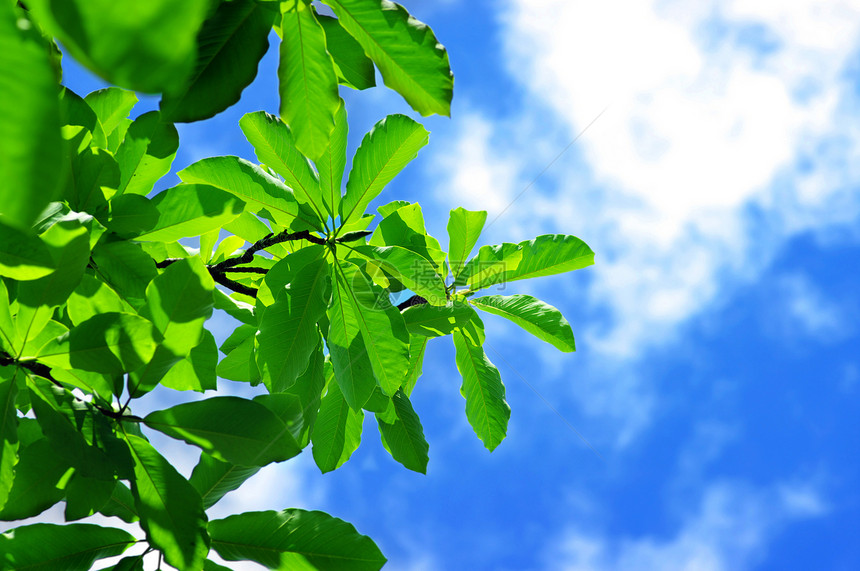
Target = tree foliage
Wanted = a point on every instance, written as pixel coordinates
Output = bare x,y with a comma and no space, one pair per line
102,299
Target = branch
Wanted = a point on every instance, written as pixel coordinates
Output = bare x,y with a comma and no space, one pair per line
414,300
44,371
219,271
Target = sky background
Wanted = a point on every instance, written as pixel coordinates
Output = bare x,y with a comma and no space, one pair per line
709,153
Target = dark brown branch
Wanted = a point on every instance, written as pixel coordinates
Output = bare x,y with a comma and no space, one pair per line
44,371
220,278
247,270
414,300
269,240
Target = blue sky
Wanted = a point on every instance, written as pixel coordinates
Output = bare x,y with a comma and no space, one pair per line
717,371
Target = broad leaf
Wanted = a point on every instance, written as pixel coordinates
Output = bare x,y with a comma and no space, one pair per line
92,297
40,477
404,226
257,188
214,478
354,68
8,432
333,162
411,269
490,266
196,372
95,178
49,547
402,434
538,318
146,47
178,302
276,147
68,243
23,256
31,148
288,330
85,496
189,210
170,509
307,79
111,105
417,346
120,504
486,409
229,46
410,58
108,343
384,151
294,539
146,153
308,390
464,228
337,431
548,255
128,215
233,429
379,327
126,268
433,320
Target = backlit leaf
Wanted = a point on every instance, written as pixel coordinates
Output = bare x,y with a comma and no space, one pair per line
464,228
49,547
337,431
189,210
295,539
146,153
535,316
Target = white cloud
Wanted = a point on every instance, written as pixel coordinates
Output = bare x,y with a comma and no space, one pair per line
804,309
729,530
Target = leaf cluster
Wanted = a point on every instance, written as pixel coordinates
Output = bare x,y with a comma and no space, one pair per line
103,300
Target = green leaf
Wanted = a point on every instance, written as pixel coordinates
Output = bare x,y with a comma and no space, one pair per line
402,434
464,228
148,47
196,372
49,547
93,383
276,147
288,329
368,317
535,316
548,255
307,390
486,409
126,268
189,210
435,320
9,340
92,297
490,265
412,270
85,496
258,189
295,539
230,45
284,272
240,364
120,504
307,79
233,429
8,432
214,478
111,105
128,215
22,255
40,477
68,243
385,150
354,68
179,301
404,227
108,343
333,162
81,126
95,178
407,53
417,346
31,148
170,509
78,433
337,431
146,153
